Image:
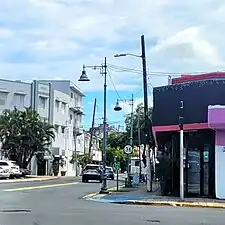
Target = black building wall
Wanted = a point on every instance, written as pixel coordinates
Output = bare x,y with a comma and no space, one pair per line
196,97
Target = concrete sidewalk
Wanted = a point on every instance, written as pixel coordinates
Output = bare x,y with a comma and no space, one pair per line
140,196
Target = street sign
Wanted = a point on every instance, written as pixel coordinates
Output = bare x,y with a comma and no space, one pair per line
128,149
117,165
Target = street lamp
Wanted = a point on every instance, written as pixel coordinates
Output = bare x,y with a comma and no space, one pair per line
119,108
148,123
84,77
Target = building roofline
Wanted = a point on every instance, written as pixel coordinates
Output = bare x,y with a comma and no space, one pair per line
205,76
15,81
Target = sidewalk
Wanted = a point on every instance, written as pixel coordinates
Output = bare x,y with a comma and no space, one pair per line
140,196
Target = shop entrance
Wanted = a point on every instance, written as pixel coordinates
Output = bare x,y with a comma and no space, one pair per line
198,158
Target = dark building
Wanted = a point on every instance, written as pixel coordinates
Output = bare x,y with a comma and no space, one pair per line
203,99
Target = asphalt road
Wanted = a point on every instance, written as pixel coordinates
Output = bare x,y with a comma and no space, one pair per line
59,202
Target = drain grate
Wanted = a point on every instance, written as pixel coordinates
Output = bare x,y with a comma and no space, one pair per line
153,221
15,210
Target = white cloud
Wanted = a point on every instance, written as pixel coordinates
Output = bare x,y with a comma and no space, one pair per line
53,38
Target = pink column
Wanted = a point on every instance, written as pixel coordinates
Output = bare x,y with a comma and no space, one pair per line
216,121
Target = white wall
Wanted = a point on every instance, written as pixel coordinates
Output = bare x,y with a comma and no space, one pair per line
8,89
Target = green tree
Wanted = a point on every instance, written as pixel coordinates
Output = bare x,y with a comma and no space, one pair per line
140,110
23,135
83,160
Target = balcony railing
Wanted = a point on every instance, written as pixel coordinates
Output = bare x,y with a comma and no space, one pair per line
77,109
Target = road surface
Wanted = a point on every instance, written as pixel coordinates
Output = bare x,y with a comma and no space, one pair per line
59,202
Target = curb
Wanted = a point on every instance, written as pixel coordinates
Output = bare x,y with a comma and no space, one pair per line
96,194
174,204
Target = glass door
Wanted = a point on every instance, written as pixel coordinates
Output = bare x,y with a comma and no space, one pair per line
193,171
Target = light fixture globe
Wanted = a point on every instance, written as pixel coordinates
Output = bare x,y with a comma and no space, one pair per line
117,107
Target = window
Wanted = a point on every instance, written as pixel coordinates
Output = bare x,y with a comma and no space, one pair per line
63,108
3,97
63,130
57,105
42,102
71,119
18,100
71,95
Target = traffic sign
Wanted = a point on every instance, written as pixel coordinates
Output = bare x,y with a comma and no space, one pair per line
128,149
117,165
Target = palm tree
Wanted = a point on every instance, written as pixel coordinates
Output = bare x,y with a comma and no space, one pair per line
23,135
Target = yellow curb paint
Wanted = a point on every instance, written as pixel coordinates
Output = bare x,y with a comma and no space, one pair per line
40,187
90,195
97,193
181,204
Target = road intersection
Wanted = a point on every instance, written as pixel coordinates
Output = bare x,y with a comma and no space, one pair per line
60,202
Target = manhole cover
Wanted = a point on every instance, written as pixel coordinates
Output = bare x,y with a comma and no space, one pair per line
15,210
153,221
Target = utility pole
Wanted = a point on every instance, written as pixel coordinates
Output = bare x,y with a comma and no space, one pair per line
139,144
92,128
148,137
104,183
84,77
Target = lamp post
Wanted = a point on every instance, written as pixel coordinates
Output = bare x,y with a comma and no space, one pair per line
119,108
148,124
181,125
84,77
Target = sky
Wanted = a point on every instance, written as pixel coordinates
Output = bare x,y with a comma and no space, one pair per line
52,39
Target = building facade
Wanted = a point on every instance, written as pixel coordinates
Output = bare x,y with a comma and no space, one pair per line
58,102
202,114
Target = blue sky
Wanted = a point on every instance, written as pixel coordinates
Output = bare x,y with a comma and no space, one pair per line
52,39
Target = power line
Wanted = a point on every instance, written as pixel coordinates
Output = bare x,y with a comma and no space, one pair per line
152,73
114,85
116,89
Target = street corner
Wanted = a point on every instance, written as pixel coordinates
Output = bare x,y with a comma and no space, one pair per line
96,196
99,196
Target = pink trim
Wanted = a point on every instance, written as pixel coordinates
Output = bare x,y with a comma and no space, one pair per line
206,76
193,126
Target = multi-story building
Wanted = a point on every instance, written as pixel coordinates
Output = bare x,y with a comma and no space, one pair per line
60,103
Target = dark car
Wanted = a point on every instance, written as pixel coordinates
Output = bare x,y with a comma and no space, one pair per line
92,174
109,172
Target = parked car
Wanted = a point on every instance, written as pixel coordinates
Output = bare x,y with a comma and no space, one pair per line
92,166
92,172
4,173
13,168
109,172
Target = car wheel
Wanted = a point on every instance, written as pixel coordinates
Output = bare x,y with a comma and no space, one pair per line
112,178
83,180
100,181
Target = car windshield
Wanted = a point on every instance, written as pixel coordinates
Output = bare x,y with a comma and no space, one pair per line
108,169
91,168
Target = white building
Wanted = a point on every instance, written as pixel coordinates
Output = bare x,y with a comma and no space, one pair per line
60,103
84,143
